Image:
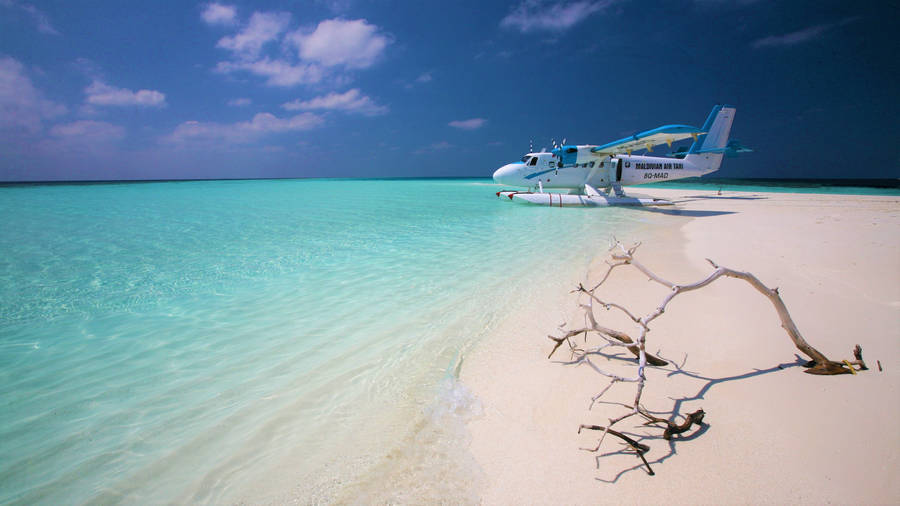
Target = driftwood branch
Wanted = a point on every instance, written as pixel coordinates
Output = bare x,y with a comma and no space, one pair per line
639,449
672,428
622,256
615,334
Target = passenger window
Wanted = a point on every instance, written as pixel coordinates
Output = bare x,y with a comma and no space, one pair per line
592,165
533,161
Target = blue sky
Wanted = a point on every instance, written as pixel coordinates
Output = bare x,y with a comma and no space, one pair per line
345,88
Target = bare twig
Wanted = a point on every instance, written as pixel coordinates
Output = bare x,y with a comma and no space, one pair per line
621,256
639,448
673,428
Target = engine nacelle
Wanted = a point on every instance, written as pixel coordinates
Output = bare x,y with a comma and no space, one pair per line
571,155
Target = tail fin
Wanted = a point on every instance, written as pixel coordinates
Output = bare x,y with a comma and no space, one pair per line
695,147
707,152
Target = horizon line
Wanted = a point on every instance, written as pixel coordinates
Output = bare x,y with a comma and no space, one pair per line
892,182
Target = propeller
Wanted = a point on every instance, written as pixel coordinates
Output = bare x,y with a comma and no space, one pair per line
557,145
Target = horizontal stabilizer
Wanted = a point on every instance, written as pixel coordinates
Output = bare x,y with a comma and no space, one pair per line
678,153
732,149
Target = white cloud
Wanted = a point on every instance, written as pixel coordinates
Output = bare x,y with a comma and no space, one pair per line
800,36
239,102
43,22
90,131
277,72
468,124
89,68
244,131
22,106
327,51
422,79
790,39
540,15
218,14
263,27
336,6
350,101
435,146
352,43
99,93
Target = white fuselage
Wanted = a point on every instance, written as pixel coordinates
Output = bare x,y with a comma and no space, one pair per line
601,172
612,165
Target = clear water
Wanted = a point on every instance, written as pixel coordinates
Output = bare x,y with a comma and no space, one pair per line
259,340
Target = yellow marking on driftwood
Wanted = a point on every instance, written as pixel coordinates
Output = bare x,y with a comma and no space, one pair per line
852,370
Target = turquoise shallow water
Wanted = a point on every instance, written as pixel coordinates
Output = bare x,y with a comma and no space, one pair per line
215,341
820,186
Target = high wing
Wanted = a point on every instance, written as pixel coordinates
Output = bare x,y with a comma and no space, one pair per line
666,134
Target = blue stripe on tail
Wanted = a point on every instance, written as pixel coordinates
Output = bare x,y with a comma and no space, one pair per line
695,147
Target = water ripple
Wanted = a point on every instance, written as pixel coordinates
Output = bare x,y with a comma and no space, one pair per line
185,341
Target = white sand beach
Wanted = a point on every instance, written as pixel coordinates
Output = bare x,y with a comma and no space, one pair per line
773,433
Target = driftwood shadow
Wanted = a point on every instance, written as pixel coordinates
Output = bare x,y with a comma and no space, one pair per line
674,413
612,340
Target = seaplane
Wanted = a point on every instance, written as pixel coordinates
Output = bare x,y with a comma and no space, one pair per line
591,175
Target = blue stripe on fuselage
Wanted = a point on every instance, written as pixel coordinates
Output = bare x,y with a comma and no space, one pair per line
536,174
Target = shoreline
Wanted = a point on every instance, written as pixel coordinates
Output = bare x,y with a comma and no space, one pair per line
160,358
774,434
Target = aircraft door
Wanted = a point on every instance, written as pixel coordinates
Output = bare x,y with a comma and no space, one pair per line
609,171
613,170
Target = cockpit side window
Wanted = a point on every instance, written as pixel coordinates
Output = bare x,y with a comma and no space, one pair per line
533,160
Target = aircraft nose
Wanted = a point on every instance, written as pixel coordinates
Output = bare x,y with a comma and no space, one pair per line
504,175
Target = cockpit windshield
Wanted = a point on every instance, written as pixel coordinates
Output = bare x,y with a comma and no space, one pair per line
526,158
